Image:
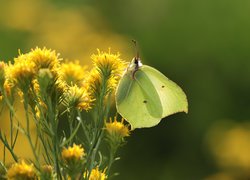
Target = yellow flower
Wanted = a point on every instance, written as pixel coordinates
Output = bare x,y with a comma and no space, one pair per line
78,97
97,175
44,59
22,72
21,171
47,64
106,62
73,158
74,153
73,73
107,71
117,129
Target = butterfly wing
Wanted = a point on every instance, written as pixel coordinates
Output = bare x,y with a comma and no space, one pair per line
172,97
138,101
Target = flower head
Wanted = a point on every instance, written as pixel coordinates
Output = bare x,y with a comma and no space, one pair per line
115,133
108,63
108,69
97,175
21,171
73,73
22,72
74,153
78,97
73,158
117,129
44,59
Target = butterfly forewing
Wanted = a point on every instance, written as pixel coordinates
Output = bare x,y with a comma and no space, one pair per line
172,97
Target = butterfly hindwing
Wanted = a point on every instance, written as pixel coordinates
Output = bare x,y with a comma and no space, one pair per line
152,100
137,100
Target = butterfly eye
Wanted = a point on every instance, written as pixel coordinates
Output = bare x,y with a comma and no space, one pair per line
145,101
136,61
162,86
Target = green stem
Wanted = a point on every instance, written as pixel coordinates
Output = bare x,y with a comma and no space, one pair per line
85,131
28,134
6,144
53,119
98,126
96,147
4,154
112,153
11,129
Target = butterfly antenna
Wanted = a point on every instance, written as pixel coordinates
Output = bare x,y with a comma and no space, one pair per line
136,49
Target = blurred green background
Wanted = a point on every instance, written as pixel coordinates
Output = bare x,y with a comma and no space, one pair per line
201,45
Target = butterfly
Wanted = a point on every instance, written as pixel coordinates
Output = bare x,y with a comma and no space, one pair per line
144,96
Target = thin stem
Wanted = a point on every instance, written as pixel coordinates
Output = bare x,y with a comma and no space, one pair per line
4,154
6,144
15,139
85,131
53,119
93,153
11,129
113,149
28,134
48,158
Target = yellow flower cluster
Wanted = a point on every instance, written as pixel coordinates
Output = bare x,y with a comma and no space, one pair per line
21,171
25,69
41,70
50,87
75,153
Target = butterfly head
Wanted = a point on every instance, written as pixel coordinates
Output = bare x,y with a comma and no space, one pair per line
136,61
135,64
